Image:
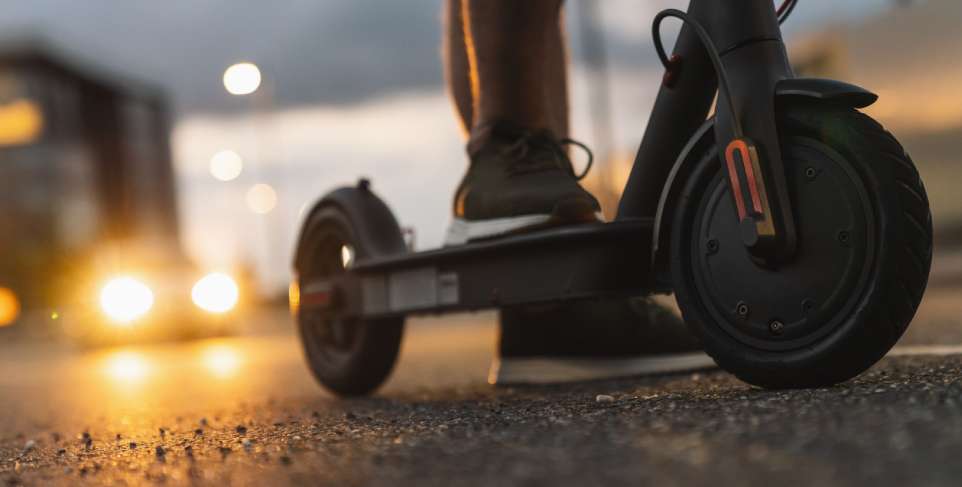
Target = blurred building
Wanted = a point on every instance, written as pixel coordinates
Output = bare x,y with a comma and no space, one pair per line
84,165
910,56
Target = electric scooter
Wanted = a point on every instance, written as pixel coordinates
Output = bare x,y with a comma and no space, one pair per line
793,230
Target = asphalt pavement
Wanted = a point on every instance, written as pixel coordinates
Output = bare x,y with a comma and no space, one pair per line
245,411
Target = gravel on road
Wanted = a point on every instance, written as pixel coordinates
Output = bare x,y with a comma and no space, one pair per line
899,424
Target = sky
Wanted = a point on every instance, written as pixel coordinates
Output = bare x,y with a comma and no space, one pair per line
352,88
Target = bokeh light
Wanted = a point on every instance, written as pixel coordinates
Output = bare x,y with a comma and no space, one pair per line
9,307
261,198
294,296
21,122
129,367
347,256
242,78
124,299
216,292
221,361
226,165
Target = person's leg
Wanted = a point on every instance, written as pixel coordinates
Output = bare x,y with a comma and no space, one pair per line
557,78
506,68
505,61
457,69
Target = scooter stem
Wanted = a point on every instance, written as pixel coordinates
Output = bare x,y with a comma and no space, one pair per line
747,36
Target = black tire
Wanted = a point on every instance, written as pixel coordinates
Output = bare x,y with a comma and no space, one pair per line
361,361
875,285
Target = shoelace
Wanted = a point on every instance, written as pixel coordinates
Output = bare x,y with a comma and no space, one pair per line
521,147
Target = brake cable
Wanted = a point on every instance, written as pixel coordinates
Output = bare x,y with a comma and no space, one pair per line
783,11
710,48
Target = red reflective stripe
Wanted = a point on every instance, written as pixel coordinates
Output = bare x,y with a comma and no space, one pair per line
733,177
752,187
742,147
316,299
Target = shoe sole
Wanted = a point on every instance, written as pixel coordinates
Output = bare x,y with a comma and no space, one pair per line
555,371
462,231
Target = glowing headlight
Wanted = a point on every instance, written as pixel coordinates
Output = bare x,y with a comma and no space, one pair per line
124,299
215,292
9,307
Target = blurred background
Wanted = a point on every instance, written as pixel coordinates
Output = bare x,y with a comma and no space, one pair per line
157,157
156,161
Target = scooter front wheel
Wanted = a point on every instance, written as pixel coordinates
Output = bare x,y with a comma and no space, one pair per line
862,262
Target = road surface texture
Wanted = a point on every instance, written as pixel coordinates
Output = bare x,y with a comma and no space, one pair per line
245,411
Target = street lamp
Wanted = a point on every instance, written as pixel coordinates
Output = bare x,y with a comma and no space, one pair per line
242,78
261,198
226,165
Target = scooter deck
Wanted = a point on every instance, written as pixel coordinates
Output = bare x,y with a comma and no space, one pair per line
572,262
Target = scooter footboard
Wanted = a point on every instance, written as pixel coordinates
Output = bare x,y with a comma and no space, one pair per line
576,262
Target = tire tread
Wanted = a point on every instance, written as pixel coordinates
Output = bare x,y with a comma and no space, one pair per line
902,271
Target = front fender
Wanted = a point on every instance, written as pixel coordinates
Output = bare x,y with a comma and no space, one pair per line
826,89
703,140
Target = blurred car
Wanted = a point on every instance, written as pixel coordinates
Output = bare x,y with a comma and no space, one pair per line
89,231
150,298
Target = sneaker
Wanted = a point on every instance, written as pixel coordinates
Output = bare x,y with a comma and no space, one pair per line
518,180
591,340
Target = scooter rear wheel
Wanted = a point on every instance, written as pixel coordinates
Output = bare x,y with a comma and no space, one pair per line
349,356
862,263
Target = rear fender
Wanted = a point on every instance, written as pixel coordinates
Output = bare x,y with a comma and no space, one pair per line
373,224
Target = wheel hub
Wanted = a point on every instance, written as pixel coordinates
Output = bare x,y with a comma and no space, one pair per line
803,299
333,336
